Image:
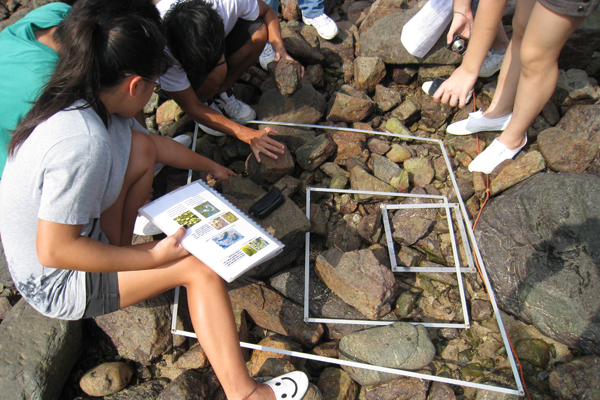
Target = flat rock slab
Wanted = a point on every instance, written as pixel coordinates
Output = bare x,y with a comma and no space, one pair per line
539,241
37,354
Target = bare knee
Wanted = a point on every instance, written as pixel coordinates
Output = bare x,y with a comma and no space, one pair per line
198,275
143,149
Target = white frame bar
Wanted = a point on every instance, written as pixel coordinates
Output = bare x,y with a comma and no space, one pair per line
470,235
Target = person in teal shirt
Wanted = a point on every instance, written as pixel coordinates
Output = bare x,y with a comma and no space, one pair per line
26,64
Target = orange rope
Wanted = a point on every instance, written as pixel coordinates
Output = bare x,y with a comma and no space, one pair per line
487,196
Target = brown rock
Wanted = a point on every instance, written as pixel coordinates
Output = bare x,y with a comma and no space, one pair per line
517,171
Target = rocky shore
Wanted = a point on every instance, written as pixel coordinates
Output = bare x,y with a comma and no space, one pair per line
538,235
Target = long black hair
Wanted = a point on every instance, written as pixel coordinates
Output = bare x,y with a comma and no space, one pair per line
196,37
95,55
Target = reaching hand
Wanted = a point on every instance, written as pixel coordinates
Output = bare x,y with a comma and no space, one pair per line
170,249
454,90
460,24
221,173
261,142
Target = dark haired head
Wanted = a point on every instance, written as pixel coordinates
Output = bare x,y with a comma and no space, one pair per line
196,37
95,57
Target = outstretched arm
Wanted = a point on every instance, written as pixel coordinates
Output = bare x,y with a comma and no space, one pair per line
273,29
259,140
455,90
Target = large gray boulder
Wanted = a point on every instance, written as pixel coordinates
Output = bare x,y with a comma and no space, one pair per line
37,354
539,241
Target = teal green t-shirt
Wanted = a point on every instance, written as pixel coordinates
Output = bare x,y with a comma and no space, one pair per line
25,67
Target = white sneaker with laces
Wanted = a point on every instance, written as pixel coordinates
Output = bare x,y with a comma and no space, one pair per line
267,56
234,108
208,130
491,64
477,122
325,26
491,157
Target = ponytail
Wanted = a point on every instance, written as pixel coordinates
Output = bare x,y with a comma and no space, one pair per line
95,56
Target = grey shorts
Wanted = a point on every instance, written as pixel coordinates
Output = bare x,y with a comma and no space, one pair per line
572,8
101,293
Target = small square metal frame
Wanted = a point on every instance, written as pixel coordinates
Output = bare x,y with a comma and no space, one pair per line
519,391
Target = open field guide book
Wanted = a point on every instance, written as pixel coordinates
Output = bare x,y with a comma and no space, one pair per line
218,233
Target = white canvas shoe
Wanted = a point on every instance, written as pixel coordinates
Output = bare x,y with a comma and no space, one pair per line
291,386
491,157
478,123
325,26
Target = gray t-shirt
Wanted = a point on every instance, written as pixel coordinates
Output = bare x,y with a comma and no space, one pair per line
69,171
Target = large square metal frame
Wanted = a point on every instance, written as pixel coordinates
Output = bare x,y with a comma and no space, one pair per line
468,239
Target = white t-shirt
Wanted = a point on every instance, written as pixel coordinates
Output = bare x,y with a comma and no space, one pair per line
175,79
68,171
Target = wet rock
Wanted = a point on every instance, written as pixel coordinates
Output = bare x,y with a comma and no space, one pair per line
315,152
399,389
105,379
257,367
536,240
535,351
346,108
359,279
368,72
408,111
36,353
481,310
386,99
272,311
193,384
399,153
400,345
299,48
341,236
306,106
270,170
583,121
350,145
335,383
517,171
141,332
144,391
287,75
440,391
565,152
578,379
420,170
362,180
391,50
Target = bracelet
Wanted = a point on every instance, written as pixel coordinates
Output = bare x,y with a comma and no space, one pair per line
253,390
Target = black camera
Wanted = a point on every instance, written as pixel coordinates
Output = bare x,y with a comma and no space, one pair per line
459,44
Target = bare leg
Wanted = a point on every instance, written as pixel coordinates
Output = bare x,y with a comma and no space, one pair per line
211,313
118,220
540,49
508,79
501,40
240,61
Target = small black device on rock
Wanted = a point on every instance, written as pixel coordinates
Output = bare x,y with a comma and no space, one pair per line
266,204
459,44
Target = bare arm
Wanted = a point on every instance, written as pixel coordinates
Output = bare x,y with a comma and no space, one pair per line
176,155
454,91
462,21
259,140
62,246
273,29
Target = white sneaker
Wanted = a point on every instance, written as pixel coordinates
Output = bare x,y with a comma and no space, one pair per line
208,130
491,64
478,123
267,56
144,227
234,108
325,26
290,386
184,140
491,157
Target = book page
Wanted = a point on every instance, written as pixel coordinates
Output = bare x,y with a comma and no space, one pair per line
217,233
